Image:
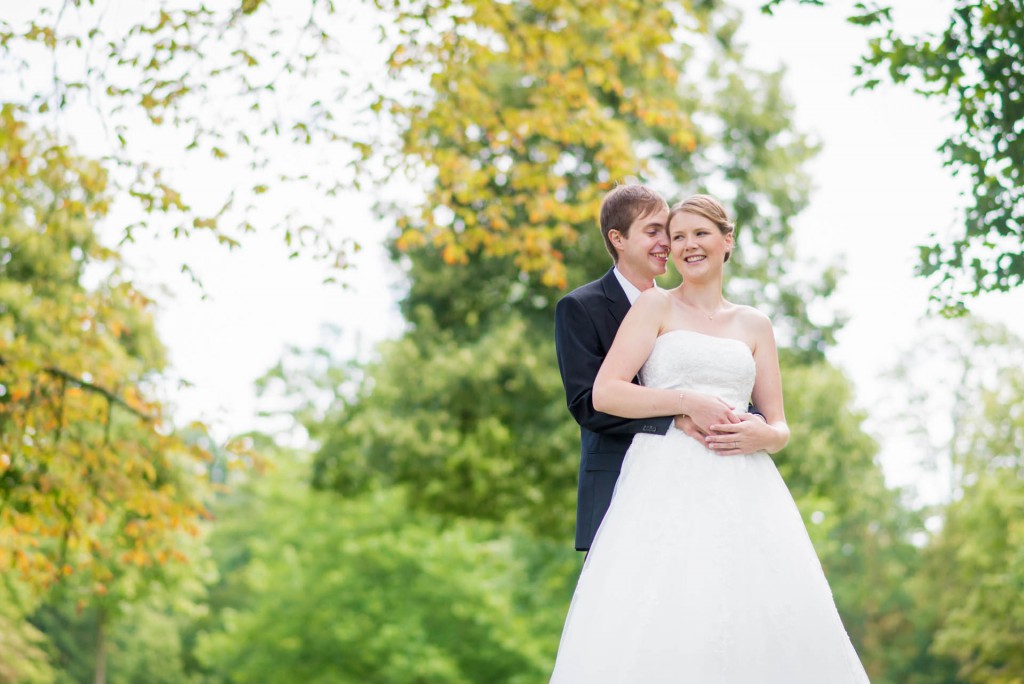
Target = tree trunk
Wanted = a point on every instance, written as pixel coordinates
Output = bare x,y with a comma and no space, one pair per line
100,668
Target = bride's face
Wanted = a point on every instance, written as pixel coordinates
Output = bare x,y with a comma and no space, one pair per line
698,246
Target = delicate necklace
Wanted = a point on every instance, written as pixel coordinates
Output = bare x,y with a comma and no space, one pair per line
711,315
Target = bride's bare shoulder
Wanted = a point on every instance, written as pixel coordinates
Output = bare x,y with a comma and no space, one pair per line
654,297
753,319
651,307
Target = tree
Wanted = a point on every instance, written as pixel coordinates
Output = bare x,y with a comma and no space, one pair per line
143,633
978,562
477,428
468,416
860,527
527,113
466,411
467,407
220,90
624,76
85,445
320,588
23,659
98,492
976,359
975,68
973,566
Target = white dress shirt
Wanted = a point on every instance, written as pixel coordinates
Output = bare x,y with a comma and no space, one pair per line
632,291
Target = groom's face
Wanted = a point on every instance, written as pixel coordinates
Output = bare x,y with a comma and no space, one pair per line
644,250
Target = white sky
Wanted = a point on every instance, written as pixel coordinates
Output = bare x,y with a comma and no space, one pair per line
880,191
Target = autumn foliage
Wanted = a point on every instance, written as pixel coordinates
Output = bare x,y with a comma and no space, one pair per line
92,478
588,98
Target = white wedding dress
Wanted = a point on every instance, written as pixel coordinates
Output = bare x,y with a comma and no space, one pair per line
702,571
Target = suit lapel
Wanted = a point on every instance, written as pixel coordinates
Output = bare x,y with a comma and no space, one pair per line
618,302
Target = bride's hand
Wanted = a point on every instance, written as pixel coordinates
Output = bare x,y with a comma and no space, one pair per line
706,410
751,433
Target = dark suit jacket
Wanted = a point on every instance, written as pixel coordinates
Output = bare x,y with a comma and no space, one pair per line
586,321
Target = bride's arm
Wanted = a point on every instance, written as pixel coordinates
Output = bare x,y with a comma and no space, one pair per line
614,391
767,393
750,436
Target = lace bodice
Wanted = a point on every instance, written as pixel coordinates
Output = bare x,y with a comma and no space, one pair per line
684,359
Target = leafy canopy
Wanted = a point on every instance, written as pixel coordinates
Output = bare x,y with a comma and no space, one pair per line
975,68
93,480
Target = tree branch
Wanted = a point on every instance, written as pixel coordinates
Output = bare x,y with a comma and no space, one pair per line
102,391
91,387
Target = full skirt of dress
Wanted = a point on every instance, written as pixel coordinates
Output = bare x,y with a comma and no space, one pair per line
702,573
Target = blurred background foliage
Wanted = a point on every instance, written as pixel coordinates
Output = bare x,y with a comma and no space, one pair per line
422,534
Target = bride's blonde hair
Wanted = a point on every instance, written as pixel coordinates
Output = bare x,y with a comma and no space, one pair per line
708,207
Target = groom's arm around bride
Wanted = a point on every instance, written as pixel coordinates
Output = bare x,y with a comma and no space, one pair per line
585,325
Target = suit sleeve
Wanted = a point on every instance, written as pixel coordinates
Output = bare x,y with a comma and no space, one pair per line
579,358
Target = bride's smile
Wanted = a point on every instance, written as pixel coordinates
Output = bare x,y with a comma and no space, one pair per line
697,244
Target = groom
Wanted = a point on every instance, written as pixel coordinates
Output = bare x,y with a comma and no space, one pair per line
633,221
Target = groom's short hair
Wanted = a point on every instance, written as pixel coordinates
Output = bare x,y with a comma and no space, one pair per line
624,205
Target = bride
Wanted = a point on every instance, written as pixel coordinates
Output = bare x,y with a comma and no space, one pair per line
702,571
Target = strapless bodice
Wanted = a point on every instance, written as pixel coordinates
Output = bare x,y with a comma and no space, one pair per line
684,359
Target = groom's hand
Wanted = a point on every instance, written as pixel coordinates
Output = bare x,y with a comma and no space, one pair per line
686,424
